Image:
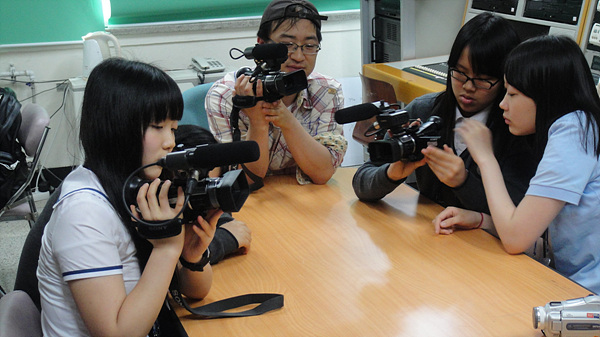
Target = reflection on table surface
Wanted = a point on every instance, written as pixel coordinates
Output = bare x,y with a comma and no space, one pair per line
349,268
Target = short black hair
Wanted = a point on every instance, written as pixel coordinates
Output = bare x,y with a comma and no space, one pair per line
291,14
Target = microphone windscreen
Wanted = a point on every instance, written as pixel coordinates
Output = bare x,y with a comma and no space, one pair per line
356,113
213,155
267,51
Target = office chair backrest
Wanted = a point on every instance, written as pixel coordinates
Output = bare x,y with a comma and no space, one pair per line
376,90
10,123
193,106
18,316
28,262
34,119
32,136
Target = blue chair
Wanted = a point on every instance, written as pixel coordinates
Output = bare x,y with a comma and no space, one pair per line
193,106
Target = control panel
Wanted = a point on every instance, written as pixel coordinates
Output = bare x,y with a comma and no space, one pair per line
508,7
537,17
591,40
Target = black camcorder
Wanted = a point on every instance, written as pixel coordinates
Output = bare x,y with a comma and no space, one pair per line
404,140
275,84
202,193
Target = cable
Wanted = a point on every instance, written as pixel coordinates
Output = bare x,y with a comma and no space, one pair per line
26,82
63,81
41,92
63,102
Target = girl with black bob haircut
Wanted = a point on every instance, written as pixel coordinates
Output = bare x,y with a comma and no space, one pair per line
573,89
550,93
474,87
97,275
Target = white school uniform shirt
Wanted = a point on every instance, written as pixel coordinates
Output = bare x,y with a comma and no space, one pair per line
84,238
481,116
570,173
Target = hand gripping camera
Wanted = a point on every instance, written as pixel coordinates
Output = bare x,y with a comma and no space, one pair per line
275,84
202,193
578,317
406,139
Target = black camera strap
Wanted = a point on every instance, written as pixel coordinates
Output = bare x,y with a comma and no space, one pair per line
234,120
266,302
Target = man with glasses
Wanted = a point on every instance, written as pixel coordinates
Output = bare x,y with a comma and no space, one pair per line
296,134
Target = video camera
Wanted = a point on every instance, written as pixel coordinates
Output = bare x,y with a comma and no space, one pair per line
406,138
275,84
578,317
202,193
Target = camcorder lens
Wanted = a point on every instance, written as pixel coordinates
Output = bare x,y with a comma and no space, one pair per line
293,82
537,315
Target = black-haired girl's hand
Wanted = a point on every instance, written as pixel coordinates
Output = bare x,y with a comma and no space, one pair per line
478,138
153,208
199,235
446,165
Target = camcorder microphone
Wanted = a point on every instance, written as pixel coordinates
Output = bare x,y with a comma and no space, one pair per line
203,193
267,51
356,113
212,155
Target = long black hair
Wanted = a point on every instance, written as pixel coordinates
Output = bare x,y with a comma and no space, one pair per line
120,101
553,72
490,38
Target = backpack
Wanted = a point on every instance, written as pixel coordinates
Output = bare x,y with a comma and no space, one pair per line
13,162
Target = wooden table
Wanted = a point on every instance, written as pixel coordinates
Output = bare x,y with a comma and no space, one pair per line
349,268
407,86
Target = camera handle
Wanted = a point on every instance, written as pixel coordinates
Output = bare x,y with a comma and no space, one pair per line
174,224
244,102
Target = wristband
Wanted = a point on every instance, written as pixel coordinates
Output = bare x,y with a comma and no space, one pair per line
198,266
480,221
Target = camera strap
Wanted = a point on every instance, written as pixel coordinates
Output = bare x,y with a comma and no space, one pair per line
548,253
266,302
234,120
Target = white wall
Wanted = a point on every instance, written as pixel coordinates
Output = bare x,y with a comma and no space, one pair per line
340,56
169,47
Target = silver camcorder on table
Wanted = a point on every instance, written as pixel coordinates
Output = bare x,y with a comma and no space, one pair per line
579,317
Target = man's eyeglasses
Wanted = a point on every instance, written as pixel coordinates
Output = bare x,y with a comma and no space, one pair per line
478,83
307,49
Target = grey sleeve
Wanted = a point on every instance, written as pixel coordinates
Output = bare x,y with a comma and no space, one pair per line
223,243
421,107
371,183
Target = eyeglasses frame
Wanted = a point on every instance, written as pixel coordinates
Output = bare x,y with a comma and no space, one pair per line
472,79
289,44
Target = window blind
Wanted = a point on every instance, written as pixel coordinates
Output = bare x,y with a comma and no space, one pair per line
41,21
150,11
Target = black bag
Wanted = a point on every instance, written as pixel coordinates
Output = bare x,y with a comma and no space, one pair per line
13,162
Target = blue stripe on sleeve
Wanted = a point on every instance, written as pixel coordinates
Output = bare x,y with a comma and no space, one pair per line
93,270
